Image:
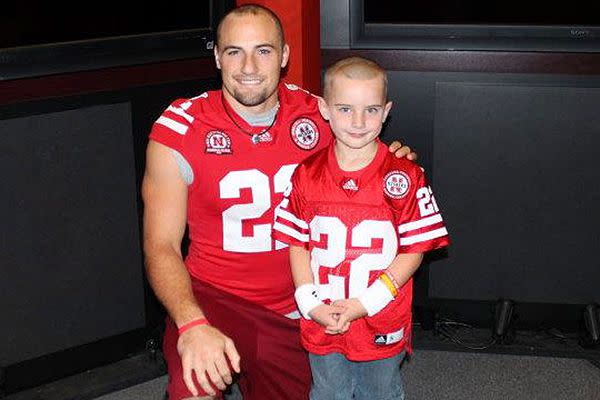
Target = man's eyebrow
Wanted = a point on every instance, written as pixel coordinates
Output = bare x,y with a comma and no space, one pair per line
265,45
231,47
234,47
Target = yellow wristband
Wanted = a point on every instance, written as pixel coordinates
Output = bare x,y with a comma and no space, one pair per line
392,278
388,283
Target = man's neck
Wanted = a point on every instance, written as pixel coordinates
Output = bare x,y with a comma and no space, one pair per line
263,119
354,159
259,109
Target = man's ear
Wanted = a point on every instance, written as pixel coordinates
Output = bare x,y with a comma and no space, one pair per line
285,55
386,109
216,53
323,108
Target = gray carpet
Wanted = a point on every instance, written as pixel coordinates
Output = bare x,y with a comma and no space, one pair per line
442,375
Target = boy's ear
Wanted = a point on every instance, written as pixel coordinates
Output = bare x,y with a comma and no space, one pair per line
323,109
386,109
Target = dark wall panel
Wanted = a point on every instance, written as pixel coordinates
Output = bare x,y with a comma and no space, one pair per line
414,119
515,167
71,264
414,76
73,294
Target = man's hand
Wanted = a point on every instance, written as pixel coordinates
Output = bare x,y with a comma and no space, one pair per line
204,350
402,151
352,309
326,315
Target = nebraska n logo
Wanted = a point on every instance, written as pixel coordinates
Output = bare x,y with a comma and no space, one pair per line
217,142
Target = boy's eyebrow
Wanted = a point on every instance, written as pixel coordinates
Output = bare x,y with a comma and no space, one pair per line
350,105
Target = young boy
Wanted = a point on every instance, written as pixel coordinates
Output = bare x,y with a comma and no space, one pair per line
358,221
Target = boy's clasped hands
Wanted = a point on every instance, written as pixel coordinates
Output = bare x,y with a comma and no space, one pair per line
337,316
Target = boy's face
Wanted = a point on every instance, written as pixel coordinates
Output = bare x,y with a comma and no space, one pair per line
355,109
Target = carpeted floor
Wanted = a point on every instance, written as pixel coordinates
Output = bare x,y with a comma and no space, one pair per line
441,375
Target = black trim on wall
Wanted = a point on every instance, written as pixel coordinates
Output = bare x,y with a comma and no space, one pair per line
21,90
515,36
475,61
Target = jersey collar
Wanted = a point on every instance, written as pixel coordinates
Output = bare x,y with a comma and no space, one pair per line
256,134
353,181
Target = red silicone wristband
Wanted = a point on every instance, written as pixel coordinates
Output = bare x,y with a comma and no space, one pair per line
191,324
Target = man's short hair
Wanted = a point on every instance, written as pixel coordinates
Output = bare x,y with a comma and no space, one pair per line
252,9
354,68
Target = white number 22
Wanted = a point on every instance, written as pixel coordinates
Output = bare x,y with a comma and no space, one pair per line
334,253
258,183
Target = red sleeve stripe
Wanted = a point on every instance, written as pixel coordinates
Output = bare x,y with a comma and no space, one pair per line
421,223
181,112
423,237
281,213
291,232
173,125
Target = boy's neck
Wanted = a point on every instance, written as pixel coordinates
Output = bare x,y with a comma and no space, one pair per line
350,159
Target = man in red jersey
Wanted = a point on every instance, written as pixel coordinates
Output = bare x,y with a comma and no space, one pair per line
358,221
219,162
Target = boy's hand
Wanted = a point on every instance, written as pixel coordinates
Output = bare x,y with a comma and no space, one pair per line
336,330
352,309
326,315
402,151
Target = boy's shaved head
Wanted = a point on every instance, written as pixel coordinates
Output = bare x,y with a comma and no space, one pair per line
354,68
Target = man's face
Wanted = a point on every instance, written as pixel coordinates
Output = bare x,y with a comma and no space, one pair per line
250,56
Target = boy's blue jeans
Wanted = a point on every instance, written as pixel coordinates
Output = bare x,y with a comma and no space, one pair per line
337,378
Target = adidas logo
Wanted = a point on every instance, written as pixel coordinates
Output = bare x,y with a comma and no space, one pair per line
380,339
350,185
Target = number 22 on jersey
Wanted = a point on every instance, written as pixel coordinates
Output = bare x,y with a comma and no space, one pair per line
233,217
361,236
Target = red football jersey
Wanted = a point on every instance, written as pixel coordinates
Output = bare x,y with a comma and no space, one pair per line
354,224
239,173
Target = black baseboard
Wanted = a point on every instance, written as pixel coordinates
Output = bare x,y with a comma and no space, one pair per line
458,337
99,381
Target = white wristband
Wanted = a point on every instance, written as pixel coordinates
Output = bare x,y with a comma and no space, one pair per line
307,298
375,298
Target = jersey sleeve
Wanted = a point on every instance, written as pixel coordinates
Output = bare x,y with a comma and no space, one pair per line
290,224
172,125
420,225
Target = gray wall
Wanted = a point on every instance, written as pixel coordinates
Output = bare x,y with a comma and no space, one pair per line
335,25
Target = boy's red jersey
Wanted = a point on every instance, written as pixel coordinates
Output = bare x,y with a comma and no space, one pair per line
354,224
